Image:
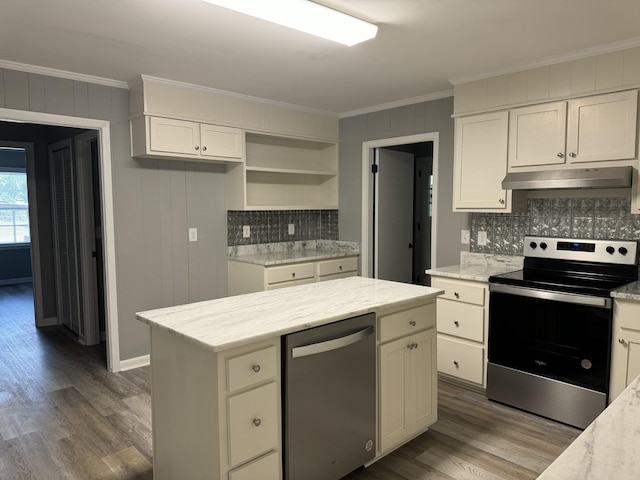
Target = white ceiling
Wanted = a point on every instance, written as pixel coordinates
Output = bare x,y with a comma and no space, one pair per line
422,45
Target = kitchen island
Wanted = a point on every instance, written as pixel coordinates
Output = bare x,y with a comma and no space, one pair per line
216,372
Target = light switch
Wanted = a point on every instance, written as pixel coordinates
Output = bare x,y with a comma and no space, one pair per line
464,237
193,234
292,229
482,238
246,231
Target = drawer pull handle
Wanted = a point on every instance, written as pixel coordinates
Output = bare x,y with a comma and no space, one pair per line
255,368
412,323
340,267
456,323
622,341
455,362
456,294
293,274
257,422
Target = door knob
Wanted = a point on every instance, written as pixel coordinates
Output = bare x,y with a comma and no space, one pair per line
411,245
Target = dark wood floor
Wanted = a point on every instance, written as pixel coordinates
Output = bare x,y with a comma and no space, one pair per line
63,416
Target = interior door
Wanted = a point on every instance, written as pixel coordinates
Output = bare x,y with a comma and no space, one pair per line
393,234
423,212
65,234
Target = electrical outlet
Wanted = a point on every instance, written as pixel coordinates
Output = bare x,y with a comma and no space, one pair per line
292,229
464,237
246,231
482,238
193,234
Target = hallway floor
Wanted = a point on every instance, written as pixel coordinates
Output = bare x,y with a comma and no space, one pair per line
63,416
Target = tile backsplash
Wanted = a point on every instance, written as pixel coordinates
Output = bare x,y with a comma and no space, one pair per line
273,226
599,218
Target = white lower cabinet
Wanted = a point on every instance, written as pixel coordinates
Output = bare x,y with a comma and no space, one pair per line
250,277
407,376
462,330
625,351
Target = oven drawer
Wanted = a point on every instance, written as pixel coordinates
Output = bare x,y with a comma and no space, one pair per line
461,291
461,360
461,320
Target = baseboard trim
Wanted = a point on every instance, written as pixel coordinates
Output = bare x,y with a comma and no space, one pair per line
131,363
48,322
15,281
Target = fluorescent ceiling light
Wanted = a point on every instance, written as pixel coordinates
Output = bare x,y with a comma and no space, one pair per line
307,17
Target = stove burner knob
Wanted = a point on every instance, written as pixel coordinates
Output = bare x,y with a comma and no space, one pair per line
622,250
610,250
533,244
543,246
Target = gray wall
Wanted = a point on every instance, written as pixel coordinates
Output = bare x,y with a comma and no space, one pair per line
154,204
425,117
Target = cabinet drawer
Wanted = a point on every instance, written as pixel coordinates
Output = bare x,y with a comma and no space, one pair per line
628,314
264,468
461,319
251,368
253,423
286,273
468,292
461,360
407,321
339,265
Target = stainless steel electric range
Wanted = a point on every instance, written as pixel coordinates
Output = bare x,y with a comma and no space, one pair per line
550,326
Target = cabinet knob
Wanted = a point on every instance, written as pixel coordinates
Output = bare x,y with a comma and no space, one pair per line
197,147
456,323
573,154
455,362
412,345
257,422
412,323
456,294
415,345
622,341
501,201
560,155
293,275
255,368
204,149
340,267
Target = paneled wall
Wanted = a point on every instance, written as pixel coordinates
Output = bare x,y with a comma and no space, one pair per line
432,116
155,202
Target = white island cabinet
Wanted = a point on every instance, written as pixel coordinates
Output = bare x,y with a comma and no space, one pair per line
216,372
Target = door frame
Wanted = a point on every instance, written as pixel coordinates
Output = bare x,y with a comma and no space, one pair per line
106,191
368,152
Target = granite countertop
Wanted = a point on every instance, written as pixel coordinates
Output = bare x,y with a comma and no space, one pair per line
478,266
608,448
293,252
628,292
229,322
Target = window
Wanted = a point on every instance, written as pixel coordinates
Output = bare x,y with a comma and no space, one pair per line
14,203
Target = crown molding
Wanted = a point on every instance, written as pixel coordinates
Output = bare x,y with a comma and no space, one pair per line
226,93
577,55
53,72
398,103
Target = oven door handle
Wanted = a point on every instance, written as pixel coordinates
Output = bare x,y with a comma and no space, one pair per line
554,296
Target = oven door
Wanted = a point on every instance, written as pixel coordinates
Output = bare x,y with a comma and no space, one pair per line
560,336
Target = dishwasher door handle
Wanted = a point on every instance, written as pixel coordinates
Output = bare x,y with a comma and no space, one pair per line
328,345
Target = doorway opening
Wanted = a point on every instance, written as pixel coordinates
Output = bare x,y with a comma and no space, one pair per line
399,207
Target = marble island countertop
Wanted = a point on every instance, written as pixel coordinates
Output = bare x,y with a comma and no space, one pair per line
478,266
229,322
628,292
609,448
292,252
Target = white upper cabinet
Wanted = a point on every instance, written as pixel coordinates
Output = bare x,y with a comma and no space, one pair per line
602,127
537,135
480,163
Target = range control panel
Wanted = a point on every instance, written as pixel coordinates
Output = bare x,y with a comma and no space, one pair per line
623,252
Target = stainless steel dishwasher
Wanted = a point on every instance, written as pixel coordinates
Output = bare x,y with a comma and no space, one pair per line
329,399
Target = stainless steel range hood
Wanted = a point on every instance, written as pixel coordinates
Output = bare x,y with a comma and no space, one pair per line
609,177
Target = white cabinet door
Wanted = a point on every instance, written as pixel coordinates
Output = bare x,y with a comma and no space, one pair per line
167,135
480,163
219,141
537,135
408,391
625,351
602,127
